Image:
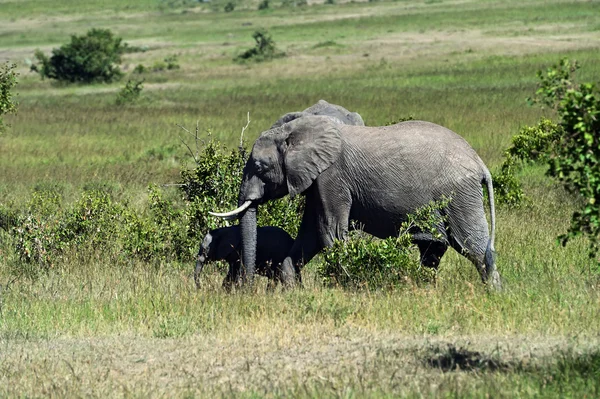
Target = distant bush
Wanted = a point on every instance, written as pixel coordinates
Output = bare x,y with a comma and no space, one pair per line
140,69
8,80
294,3
263,5
264,49
130,93
93,57
168,63
229,7
363,261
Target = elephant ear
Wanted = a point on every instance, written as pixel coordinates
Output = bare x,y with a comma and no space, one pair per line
290,116
313,145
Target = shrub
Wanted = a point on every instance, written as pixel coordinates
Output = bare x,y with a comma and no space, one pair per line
171,62
531,144
93,57
140,69
168,63
263,5
8,80
229,7
130,93
575,159
264,49
363,261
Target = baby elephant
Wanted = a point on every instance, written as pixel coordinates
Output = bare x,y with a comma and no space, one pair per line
273,245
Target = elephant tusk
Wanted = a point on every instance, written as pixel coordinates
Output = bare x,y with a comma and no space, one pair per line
232,214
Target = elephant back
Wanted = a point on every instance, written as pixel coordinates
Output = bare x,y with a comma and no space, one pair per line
323,108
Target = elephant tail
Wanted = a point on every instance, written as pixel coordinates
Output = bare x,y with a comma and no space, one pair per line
490,251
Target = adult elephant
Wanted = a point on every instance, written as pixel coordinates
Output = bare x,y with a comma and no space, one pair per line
324,108
374,175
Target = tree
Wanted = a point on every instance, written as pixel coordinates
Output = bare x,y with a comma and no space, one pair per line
93,57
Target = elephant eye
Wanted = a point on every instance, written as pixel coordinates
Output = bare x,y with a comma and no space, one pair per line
261,167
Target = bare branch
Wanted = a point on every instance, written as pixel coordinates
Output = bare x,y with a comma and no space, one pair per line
195,156
243,130
189,149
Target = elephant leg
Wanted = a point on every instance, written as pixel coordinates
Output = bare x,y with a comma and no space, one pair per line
325,219
431,252
468,234
306,246
233,277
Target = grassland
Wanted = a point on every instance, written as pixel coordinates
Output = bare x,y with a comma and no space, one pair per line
90,327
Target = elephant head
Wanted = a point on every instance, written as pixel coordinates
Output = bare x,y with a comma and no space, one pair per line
324,108
284,160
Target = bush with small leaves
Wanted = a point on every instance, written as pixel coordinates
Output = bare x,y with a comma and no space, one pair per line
574,160
363,261
140,69
171,62
229,7
531,144
130,93
93,57
264,49
8,80
263,5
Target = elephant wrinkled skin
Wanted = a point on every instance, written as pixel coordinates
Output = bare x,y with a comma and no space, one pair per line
375,176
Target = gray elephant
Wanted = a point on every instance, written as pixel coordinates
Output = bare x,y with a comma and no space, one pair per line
273,245
324,108
375,176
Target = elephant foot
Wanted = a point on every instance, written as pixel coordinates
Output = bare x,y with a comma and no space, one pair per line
494,281
287,275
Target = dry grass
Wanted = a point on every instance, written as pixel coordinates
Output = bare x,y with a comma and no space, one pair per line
265,362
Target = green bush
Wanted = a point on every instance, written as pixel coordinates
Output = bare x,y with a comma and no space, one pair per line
532,144
8,80
229,7
172,62
363,261
575,158
263,5
140,69
168,63
93,57
130,93
264,49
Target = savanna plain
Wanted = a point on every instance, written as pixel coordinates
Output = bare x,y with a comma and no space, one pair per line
92,327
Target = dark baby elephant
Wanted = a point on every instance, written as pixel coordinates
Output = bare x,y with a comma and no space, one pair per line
273,245
375,176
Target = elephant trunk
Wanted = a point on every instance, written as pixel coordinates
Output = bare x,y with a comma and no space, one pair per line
199,266
248,231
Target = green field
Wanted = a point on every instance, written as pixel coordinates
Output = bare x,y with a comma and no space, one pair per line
94,327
